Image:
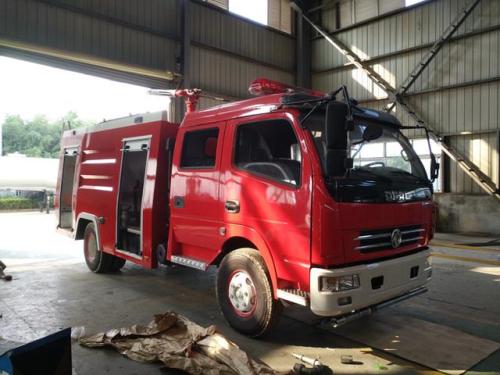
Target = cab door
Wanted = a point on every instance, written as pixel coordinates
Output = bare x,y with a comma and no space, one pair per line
196,210
267,190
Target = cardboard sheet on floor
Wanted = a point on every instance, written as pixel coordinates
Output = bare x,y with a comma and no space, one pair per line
179,343
432,345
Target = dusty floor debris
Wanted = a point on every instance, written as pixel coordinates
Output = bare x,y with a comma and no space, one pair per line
3,275
178,343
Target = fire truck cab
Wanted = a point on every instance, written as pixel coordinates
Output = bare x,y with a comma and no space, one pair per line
292,202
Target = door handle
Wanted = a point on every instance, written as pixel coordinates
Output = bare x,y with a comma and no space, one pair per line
232,207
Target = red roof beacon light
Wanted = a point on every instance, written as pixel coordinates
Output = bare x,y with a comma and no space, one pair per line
264,86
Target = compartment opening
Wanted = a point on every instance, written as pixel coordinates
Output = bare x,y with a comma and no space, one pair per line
129,204
67,185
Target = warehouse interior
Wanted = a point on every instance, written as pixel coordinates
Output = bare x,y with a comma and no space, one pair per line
432,63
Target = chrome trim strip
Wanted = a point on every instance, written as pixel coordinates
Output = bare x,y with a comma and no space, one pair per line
412,239
412,231
380,244
373,236
386,234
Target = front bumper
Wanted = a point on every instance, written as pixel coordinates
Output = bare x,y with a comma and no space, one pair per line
393,278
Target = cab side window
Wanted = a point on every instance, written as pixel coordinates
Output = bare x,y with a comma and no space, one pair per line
269,149
199,148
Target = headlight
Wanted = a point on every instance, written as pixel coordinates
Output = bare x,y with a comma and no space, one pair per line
338,283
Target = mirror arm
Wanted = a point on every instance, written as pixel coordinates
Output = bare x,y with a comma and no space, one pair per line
349,126
434,164
312,110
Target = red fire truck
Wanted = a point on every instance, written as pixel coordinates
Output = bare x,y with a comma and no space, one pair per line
295,196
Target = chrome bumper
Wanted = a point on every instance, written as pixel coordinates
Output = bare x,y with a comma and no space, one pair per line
397,281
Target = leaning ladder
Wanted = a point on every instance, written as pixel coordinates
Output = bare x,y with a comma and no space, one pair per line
419,68
396,96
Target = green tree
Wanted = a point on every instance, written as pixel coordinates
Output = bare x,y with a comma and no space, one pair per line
37,137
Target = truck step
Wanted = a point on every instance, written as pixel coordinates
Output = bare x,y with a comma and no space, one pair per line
294,295
189,262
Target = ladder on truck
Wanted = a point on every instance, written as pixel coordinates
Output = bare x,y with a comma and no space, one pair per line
396,96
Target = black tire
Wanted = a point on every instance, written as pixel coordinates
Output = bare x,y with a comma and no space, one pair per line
98,261
117,264
262,311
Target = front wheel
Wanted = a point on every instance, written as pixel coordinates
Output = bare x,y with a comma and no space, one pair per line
245,294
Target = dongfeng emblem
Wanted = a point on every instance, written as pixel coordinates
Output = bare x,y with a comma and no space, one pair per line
396,238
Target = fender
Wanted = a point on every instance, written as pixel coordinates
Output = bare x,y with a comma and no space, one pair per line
237,230
94,219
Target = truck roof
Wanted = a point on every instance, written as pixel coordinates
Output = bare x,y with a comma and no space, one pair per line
242,108
224,112
120,122
248,107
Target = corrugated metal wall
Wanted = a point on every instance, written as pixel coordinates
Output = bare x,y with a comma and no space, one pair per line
227,52
458,92
140,33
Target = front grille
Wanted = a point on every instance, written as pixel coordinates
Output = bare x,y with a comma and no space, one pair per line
380,239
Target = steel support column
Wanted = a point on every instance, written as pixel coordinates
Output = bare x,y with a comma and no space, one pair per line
446,171
303,52
184,60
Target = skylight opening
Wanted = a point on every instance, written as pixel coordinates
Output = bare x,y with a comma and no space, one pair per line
255,10
413,2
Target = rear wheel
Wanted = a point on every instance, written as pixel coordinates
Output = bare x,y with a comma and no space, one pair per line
117,264
98,261
245,294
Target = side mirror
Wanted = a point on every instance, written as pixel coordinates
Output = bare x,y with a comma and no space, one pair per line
434,172
336,130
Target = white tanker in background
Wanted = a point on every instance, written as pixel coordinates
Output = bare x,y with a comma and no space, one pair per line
26,175
19,172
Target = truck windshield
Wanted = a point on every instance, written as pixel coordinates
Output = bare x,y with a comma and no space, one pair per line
386,168
389,153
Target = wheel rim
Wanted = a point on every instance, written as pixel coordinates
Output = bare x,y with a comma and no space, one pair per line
242,295
91,248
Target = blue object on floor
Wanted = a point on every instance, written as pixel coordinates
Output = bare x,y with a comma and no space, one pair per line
50,355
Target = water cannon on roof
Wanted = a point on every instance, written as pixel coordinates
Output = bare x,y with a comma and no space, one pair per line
191,96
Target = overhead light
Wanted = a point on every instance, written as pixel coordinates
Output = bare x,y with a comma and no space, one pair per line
465,133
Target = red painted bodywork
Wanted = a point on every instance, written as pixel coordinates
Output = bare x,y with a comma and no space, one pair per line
294,228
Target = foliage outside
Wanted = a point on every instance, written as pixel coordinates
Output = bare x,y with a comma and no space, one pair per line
15,203
37,137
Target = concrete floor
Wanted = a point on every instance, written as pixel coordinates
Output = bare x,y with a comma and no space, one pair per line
52,289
